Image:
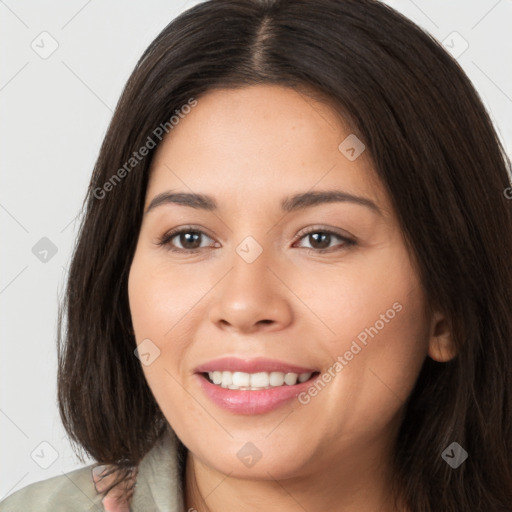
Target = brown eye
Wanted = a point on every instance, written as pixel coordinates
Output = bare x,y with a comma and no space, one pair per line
189,239
320,240
184,240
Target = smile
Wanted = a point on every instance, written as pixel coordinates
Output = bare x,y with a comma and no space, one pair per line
255,386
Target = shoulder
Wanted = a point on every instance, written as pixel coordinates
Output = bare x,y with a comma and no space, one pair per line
69,491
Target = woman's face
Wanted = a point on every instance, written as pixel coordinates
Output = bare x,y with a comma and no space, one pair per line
264,285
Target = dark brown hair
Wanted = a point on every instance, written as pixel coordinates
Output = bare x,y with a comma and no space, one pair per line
436,152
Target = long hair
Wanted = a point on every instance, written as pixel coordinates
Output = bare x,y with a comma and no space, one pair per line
434,148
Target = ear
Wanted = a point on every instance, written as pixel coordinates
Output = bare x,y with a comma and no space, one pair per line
441,345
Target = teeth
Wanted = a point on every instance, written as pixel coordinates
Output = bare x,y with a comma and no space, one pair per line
241,380
227,379
277,378
291,378
255,381
303,377
259,380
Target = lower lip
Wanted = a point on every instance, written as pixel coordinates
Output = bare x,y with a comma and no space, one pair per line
252,402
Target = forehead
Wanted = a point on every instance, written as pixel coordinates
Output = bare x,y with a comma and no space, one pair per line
259,140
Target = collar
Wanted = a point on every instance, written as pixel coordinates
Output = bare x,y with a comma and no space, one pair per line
158,486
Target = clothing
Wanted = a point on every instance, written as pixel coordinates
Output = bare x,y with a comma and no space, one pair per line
158,486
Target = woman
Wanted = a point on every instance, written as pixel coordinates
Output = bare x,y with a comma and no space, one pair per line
291,287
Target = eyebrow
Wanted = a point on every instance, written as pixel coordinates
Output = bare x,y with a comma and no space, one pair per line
289,204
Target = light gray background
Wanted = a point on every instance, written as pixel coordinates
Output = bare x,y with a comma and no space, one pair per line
55,112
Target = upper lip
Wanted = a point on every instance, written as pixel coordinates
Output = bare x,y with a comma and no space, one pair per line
261,364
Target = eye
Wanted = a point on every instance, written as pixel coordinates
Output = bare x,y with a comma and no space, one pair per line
189,239
321,239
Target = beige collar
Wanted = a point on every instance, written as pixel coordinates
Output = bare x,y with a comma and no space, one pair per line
158,486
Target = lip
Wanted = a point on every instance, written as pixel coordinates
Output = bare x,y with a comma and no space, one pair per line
251,402
260,364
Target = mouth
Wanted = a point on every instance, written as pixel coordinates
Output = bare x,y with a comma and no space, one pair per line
253,386
258,381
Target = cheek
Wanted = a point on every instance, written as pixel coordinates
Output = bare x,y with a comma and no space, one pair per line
378,333
160,299
161,307
370,297
381,376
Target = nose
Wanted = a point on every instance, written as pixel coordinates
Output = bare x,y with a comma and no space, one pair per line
252,297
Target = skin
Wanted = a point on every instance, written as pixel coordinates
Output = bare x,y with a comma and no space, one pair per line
249,148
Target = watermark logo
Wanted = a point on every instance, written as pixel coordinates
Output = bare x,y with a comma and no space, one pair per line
249,249
147,352
454,455
455,44
249,454
44,455
44,250
351,147
44,45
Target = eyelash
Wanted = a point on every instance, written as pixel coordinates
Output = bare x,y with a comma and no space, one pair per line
167,237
